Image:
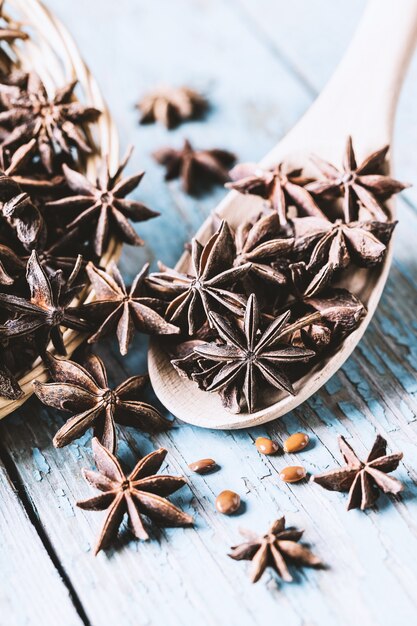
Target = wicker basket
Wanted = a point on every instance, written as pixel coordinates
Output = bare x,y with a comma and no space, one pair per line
52,53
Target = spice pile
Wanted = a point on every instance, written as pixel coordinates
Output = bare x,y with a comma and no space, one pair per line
261,301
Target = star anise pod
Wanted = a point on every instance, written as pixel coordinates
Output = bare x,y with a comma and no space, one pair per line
47,309
275,549
335,246
261,242
196,168
103,205
9,31
19,212
55,124
11,265
19,166
281,189
358,184
194,296
117,307
85,392
171,105
9,385
247,361
141,493
363,480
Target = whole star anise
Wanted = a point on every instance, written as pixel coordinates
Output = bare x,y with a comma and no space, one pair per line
171,105
47,309
247,361
279,188
117,307
55,123
141,493
276,548
196,168
85,392
194,296
358,184
103,206
336,245
363,480
260,242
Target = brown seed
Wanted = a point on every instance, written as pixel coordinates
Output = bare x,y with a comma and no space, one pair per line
293,473
202,466
227,502
296,442
266,446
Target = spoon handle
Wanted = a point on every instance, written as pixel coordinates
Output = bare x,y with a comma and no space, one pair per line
361,97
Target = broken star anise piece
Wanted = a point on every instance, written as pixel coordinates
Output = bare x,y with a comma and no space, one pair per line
47,309
9,31
171,105
19,166
196,168
85,392
279,188
117,307
358,184
194,296
247,361
335,246
19,212
275,549
363,480
10,265
55,123
141,493
103,206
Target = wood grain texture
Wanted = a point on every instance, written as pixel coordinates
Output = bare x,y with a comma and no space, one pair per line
24,562
182,577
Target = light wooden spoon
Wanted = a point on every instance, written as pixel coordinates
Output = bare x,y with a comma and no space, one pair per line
359,100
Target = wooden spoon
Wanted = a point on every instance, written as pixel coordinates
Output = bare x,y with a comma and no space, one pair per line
359,100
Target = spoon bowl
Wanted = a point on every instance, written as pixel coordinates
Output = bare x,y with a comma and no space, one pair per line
359,100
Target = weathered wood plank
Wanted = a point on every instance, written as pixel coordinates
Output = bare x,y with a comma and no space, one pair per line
39,594
184,575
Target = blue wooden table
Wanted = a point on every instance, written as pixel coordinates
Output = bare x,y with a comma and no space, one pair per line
262,63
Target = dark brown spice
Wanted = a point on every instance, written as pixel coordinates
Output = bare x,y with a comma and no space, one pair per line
360,185
275,549
85,392
196,168
171,105
363,480
141,493
117,307
103,206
